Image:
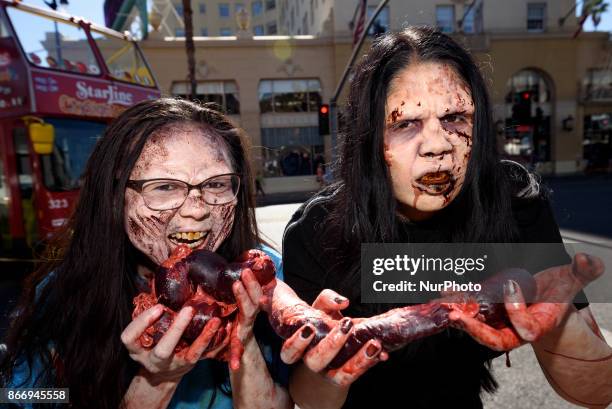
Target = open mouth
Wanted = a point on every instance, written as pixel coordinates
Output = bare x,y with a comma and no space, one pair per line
435,183
193,238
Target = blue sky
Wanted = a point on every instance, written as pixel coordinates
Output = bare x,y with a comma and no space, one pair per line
92,10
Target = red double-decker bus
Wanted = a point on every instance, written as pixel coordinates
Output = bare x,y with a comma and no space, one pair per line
62,79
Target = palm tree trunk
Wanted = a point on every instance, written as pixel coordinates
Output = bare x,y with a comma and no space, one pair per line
189,46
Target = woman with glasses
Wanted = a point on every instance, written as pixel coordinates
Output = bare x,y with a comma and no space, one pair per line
166,173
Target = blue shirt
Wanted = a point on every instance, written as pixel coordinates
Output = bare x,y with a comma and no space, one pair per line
197,388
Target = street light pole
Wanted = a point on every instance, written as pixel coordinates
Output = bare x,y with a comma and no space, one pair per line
58,44
333,102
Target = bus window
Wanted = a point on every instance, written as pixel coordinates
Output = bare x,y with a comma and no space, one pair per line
24,168
24,178
54,44
123,59
74,142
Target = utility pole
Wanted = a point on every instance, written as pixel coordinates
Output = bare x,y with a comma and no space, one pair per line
190,47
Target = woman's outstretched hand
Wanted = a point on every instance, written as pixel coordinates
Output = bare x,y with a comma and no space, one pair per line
318,357
556,288
161,363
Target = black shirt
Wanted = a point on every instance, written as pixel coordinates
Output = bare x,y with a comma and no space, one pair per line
445,370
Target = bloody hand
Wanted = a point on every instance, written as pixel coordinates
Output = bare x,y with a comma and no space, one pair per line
318,358
556,288
204,281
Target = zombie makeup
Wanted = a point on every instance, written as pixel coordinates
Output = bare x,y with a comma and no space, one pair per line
187,152
428,137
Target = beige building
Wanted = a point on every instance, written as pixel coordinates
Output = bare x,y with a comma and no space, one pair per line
218,18
552,94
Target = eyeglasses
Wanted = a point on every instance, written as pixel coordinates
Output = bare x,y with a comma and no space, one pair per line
167,194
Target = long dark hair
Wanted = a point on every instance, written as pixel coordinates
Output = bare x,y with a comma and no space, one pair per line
364,207
86,301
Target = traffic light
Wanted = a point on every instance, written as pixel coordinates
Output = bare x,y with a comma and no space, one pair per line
324,119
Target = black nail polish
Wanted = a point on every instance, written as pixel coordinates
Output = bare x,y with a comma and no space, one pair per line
372,351
346,326
306,332
339,300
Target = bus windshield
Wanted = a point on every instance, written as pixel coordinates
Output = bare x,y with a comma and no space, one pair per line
53,44
123,59
74,142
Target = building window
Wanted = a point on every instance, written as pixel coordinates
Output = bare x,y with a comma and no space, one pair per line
292,23
312,12
597,142
179,32
202,8
445,18
472,21
224,10
292,151
258,30
270,4
271,29
225,31
238,7
223,93
179,9
535,16
299,95
256,8
204,32
527,124
597,85
381,24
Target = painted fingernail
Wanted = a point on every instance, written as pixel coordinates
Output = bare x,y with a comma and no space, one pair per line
339,300
346,326
306,332
510,288
372,351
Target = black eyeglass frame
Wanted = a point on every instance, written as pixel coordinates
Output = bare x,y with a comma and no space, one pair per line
138,185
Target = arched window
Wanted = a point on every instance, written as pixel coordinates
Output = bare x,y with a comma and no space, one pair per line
528,111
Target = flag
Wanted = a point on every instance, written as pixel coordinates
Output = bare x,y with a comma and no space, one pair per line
360,23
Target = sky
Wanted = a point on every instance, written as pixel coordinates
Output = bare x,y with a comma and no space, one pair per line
92,10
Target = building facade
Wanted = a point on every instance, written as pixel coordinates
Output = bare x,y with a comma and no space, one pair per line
551,93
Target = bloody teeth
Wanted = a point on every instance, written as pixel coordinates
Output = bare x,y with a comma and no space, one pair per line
435,178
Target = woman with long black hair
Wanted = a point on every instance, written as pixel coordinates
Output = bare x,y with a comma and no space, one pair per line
151,184
418,163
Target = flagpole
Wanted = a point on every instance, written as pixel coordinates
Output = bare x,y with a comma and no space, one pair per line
333,102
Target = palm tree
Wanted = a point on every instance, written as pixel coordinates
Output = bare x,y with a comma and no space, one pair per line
189,46
593,8
597,10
